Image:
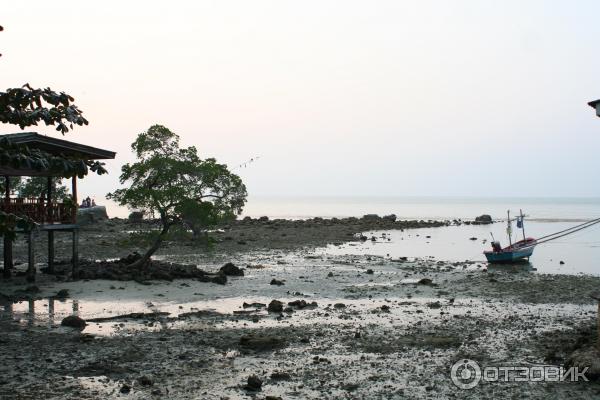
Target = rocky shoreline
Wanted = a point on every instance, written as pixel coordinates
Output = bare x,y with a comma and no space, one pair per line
286,322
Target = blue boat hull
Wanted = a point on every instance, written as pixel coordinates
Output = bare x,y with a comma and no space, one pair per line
511,256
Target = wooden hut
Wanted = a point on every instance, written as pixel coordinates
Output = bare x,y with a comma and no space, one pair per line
48,214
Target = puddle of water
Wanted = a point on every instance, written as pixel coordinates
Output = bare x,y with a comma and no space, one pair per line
453,243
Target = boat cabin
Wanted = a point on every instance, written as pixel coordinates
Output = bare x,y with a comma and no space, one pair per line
48,214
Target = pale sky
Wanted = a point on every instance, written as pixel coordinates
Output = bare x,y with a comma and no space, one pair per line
452,98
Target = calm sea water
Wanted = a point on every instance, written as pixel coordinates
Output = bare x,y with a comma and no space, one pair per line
580,252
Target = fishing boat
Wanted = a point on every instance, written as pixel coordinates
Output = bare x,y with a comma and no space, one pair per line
515,252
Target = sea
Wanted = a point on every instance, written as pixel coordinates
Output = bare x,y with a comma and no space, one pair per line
578,253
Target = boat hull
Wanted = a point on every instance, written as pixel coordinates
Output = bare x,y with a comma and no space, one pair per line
518,252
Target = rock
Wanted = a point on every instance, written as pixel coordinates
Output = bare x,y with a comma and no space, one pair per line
435,304
339,305
330,275
369,271
62,294
425,281
390,218
275,306
146,380
91,215
253,305
276,282
371,217
473,238
125,388
280,376
385,308
221,279
261,343
254,383
136,216
562,263
484,219
73,321
230,269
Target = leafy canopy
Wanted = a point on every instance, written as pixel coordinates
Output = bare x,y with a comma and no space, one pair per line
26,106
175,183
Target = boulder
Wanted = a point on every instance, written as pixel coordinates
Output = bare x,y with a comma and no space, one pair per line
73,321
254,383
390,218
275,306
136,216
91,215
230,269
484,219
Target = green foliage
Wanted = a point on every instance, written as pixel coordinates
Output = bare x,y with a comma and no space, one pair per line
37,186
26,106
176,184
9,223
22,157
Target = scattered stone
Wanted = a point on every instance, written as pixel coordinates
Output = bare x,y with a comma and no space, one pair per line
219,279
277,282
435,304
136,216
484,219
339,305
280,376
230,269
73,321
369,271
253,383
275,306
62,294
146,380
253,305
385,308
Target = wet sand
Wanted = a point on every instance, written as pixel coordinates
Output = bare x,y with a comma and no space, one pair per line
375,332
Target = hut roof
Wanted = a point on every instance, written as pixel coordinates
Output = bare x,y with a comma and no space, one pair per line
55,147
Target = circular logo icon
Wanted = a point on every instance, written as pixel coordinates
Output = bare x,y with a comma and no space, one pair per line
465,374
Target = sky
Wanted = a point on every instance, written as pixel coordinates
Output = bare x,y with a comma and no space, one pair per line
336,98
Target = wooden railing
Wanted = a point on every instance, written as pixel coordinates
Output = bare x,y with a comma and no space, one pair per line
39,210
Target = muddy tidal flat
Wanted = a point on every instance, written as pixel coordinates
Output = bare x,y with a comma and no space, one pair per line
301,323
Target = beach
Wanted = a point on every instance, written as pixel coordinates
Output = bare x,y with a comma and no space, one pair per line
352,324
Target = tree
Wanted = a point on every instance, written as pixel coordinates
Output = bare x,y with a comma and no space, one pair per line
177,185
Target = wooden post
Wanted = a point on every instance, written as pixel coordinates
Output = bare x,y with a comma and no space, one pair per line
75,259
50,312
74,195
30,257
8,256
50,231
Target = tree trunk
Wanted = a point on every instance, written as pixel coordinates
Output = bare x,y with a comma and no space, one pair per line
143,262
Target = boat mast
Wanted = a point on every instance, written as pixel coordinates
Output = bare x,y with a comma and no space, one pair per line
509,228
522,224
